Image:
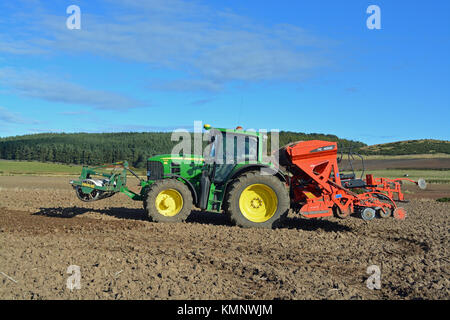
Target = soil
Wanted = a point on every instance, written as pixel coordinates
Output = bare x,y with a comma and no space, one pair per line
44,229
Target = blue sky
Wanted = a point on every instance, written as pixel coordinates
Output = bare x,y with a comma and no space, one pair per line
158,65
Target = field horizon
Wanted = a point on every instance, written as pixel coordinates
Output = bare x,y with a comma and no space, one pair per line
399,167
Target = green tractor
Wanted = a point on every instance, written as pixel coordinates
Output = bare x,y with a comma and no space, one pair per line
231,178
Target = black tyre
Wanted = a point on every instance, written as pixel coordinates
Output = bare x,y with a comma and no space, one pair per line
257,201
168,200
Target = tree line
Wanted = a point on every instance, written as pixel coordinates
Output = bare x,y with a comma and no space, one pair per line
98,148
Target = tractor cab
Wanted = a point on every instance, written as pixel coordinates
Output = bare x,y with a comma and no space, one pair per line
231,148
229,153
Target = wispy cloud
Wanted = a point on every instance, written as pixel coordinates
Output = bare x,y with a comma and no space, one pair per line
10,117
9,45
145,128
212,47
73,113
201,102
352,89
7,116
47,130
183,85
34,84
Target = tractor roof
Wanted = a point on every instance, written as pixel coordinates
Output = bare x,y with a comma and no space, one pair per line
238,130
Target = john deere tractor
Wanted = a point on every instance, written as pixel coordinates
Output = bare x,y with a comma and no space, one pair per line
232,178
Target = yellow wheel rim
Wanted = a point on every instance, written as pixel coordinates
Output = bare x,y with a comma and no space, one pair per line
258,202
169,202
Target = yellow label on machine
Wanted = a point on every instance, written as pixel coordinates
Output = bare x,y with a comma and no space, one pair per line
89,185
309,195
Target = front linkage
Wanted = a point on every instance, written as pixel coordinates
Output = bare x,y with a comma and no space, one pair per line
104,181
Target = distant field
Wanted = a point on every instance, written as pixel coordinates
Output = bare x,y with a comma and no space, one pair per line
48,169
407,156
431,176
8,167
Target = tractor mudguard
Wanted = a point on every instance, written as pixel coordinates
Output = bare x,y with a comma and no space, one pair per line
256,167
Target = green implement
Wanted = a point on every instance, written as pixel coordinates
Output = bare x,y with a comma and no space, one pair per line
104,181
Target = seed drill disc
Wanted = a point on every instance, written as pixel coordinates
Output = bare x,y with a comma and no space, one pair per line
340,214
368,214
400,213
383,212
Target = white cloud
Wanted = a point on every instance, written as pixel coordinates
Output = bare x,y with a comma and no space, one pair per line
9,117
34,84
212,47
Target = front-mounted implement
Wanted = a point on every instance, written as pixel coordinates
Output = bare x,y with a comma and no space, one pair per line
104,181
233,177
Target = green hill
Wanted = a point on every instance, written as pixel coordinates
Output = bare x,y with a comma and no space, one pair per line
424,146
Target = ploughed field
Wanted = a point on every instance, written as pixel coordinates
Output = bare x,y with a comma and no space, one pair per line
398,162
44,229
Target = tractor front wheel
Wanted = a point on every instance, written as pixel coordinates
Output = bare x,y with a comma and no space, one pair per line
168,200
255,200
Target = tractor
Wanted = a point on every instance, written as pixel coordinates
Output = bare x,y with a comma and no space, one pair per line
234,177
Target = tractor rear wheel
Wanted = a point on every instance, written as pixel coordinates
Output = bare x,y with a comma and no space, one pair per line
257,201
168,200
